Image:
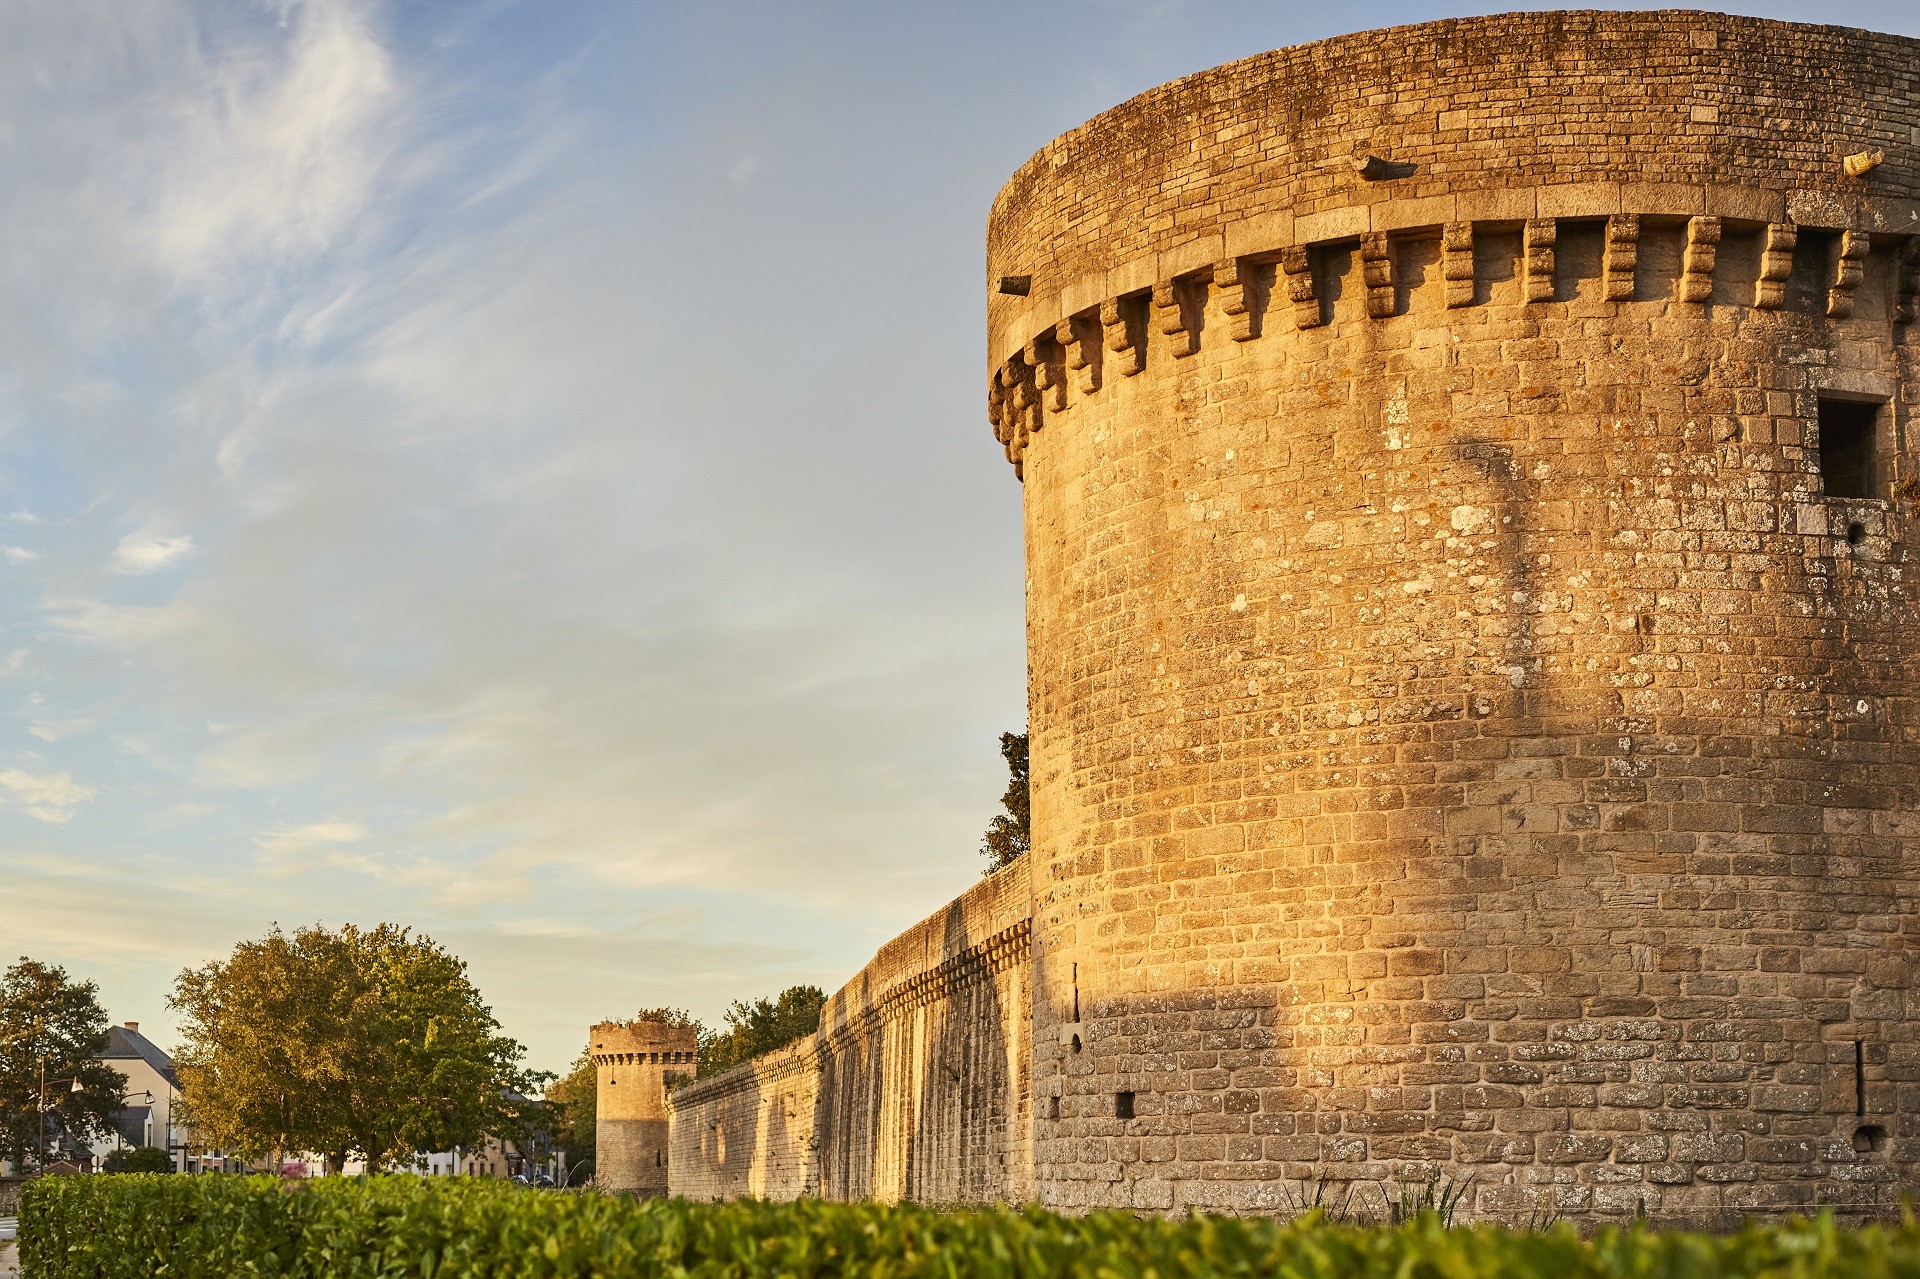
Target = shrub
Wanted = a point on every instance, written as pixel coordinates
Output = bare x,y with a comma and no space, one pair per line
137,1159
202,1227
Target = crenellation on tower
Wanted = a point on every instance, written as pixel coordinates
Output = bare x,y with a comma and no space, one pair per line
635,1063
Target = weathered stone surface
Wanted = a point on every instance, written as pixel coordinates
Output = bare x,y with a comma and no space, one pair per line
634,1061
1467,736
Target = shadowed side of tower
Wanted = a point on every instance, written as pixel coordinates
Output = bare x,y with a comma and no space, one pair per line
634,1062
1472,644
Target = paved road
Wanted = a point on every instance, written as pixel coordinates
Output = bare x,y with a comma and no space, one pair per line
9,1266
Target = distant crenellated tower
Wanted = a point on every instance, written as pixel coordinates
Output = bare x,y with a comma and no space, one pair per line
633,1062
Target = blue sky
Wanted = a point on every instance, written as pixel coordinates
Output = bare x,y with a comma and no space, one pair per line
520,470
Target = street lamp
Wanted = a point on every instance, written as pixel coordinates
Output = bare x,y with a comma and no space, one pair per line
146,1099
44,1081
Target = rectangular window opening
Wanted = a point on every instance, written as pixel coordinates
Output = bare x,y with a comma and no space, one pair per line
1849,444
1123,1105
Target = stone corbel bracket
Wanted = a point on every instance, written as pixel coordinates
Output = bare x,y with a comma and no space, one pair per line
1170,317
1622,256
1456,262
1297,263
1849,268
1080,352
1537,258
1776,264
1234,278
1123,337
1080,336
1696,266
1376,268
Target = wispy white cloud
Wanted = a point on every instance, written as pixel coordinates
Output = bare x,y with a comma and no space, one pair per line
277,150
146,553
53,730
300,841
50,797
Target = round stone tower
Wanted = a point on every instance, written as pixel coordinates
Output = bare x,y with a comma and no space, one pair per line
1473,658
634,1062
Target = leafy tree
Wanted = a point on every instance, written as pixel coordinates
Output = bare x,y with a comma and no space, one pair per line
50,1029
362,1041
1010,833
574,1100
762,1026
137,1159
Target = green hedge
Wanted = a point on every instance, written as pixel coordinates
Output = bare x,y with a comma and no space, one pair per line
133,1227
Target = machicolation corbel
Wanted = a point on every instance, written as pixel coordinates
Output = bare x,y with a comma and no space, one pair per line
1235,280
1906,289
1537,259
1376,268
1080,334
1123,338
1696,267
1297,263
1043,356
1456,262
1171,319
1849,267
1622,256
1776,264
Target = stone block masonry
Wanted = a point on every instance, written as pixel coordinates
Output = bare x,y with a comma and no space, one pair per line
634,1063
1471,648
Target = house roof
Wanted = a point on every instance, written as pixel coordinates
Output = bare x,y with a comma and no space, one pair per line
123,1043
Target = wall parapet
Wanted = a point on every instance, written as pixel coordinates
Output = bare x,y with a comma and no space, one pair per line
1069,346
790,1061
851,1109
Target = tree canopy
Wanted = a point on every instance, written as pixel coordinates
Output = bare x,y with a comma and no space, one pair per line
574,1101
762,1026
361,1041
1010,833
51,1028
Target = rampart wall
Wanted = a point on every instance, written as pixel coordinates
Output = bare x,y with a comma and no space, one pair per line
916,1085
1472,649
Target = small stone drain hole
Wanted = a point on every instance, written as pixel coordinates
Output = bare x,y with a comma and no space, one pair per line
1869,1139
1856,534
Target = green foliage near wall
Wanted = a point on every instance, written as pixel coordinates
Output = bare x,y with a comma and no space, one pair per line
762,1026
200,1227
1010,833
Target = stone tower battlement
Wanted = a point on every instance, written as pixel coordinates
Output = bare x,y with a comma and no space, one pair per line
1473,652
634,1062
1472,644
